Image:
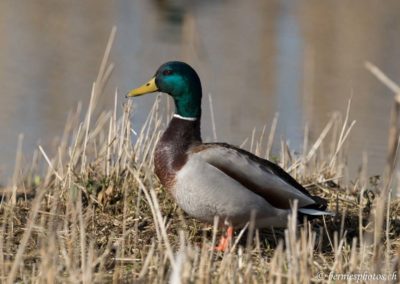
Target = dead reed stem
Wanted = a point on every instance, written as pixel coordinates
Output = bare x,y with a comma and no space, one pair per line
381,204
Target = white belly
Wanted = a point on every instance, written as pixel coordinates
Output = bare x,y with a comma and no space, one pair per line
203,191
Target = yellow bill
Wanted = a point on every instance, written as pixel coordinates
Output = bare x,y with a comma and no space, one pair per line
149,87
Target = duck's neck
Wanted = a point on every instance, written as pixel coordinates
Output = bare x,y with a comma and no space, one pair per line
182,131
171,150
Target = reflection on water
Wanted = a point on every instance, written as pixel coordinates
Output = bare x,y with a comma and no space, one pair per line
290,49
303,59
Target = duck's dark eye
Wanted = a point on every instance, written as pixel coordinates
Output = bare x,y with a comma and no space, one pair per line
167,72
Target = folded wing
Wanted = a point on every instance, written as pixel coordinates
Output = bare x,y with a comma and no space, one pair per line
258,175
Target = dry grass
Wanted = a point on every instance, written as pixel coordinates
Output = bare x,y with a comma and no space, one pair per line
94,212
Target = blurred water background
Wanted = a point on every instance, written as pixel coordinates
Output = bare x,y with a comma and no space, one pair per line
301,58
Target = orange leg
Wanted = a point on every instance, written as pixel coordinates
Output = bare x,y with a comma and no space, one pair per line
225,240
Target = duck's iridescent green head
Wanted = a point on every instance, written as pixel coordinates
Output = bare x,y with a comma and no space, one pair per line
180,81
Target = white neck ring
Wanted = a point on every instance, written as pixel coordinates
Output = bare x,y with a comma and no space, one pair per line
185,118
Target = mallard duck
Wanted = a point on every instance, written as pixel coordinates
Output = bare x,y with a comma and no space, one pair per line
218,179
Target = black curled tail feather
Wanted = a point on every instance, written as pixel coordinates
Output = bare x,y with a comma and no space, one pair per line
320,203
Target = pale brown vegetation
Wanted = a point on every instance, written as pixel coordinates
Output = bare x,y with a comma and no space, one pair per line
94,211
